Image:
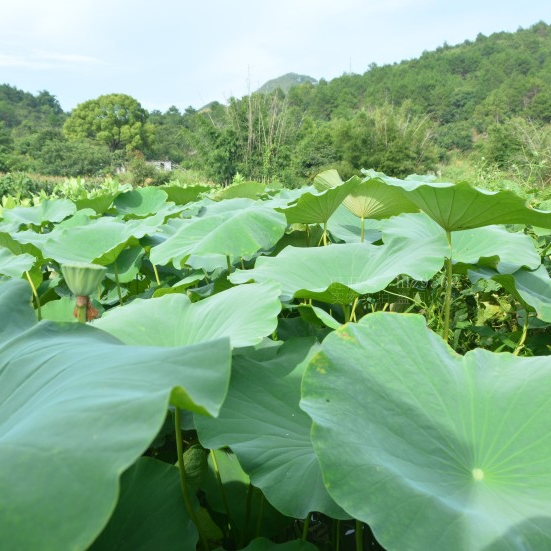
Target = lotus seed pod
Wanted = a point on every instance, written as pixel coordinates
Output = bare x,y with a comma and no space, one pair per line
82,278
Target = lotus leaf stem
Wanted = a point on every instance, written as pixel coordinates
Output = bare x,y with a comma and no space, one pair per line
117,282
448,295
362,231
359,535
353,309
250,492
346,312
520,344
306,527
222,489
35,294
183,479
156,275
260,515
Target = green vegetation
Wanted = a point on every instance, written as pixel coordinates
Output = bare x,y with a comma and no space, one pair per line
348,365
483,105
115,120
310,356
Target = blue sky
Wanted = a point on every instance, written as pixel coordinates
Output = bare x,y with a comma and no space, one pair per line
181,53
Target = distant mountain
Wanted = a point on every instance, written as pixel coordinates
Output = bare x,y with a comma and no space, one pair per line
286,82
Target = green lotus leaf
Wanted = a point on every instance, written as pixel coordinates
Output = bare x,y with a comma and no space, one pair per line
491,246
245,314
150,513
212,207
339,273
99,204
182,195
327,179
140,202
432,449
346,227
61,310
77,408
531,288
263,425
250,190
15,265
285,197
317,208
374,199
235,233
127,265
49,210
318,316
16,247
99,241
461,206
370,198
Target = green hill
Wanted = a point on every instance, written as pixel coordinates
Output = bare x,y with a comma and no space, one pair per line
487,101
286,82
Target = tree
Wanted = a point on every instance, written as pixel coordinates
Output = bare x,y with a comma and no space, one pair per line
116,120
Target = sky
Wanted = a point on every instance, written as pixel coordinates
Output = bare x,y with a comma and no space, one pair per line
181,53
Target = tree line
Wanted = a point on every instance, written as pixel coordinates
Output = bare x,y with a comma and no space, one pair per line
487,99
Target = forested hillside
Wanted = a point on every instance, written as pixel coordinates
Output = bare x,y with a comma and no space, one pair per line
485,103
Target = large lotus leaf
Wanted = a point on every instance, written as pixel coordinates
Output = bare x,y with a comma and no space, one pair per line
370,198
327,179
346,227
264,426
150,513
212,207
287,196
127,265
80,218
250,190
99,241
433,450
182,195
462,206
141,202
491,246
60,310
14,320
49,210
99,204
13,265
235,233
77,408
317,208
8,241
245,314
339,273
375,199
533,289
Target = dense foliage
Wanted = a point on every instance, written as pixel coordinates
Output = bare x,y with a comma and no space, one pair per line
348,365
485,103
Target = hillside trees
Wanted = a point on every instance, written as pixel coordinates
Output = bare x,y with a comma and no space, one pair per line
388,139
116,120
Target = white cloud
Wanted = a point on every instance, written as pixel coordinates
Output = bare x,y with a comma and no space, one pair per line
39,59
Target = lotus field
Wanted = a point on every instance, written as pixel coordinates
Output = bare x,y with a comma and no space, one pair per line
350,365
